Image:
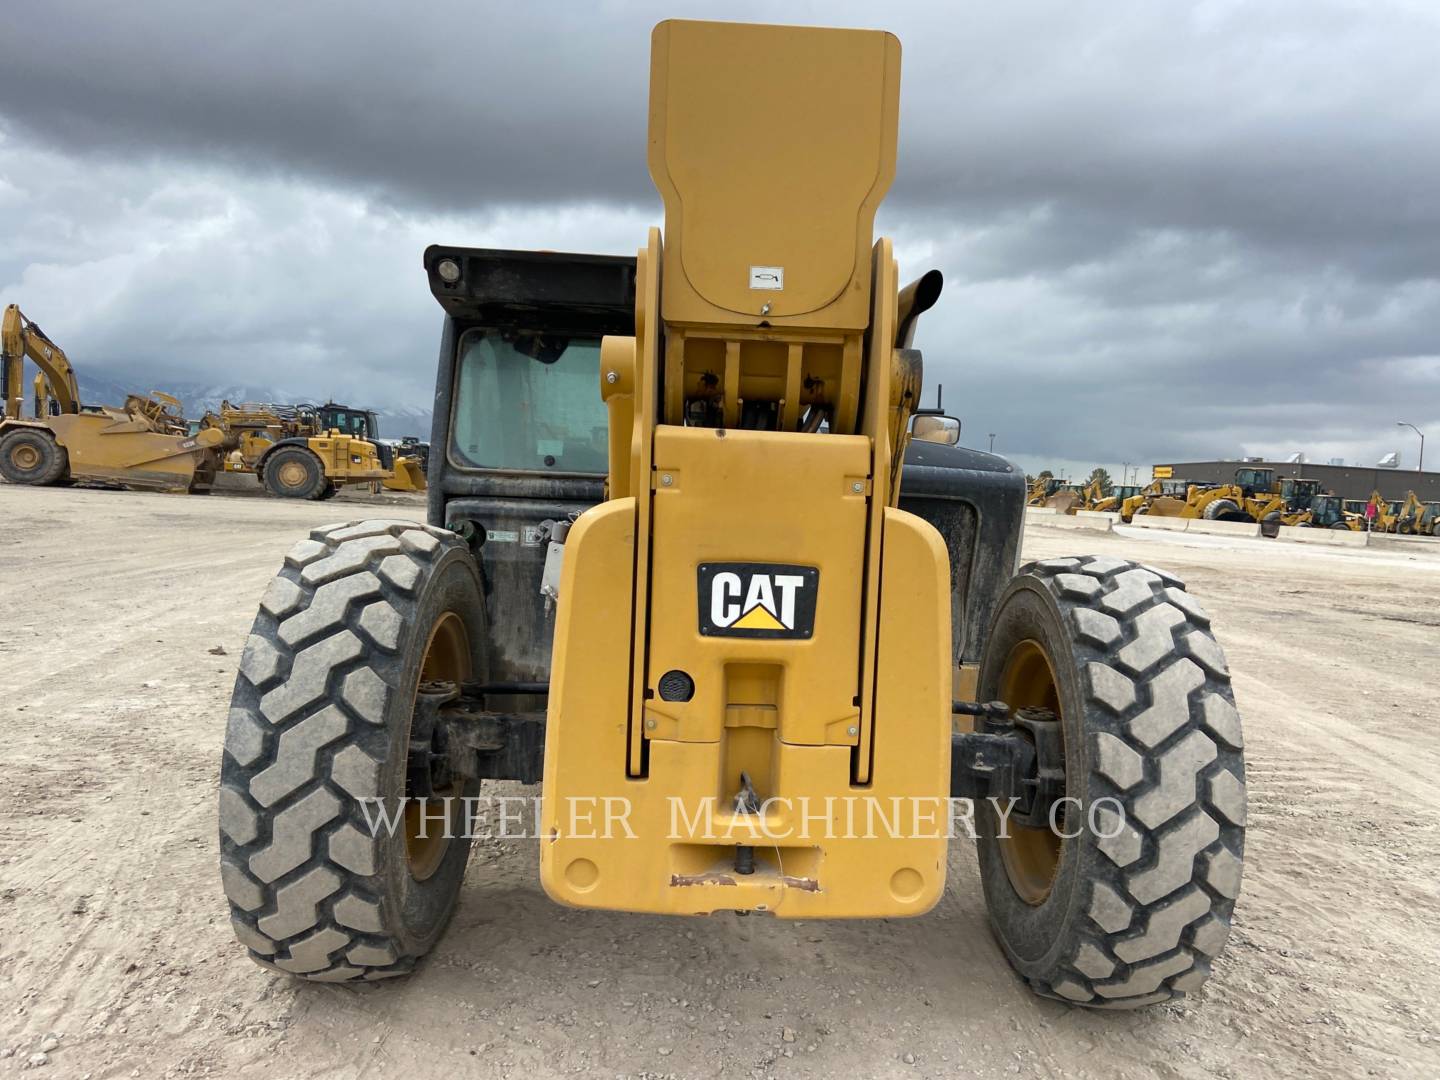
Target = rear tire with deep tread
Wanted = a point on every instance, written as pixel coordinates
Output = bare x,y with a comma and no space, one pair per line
1150,722
319,721
309,480
31,456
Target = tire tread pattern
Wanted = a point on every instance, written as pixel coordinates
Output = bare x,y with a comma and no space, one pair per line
305,740
1165,742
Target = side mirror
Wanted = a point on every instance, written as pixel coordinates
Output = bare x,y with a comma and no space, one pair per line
935,429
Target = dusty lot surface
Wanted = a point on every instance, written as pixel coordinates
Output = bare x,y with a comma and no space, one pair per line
123,618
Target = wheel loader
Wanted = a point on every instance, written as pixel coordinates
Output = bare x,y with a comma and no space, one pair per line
310,451
1253,497
685,568
143,444
1115,502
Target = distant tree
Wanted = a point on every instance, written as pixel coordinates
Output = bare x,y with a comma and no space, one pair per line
1044,474
1107,487
1029,480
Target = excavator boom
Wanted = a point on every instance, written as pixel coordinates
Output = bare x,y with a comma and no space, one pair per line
143,444
19,338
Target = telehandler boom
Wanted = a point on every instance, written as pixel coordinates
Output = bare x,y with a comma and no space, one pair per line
750,637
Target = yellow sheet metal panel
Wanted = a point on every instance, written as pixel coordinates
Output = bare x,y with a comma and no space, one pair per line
111,446
587,720
824,848
772,147
752,532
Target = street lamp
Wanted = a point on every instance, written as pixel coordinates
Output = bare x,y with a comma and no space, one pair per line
992,441
1420,466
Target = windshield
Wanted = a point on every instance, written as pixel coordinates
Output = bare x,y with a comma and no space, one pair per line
352,422
529,402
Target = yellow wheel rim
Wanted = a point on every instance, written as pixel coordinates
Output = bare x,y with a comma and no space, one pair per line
292,474
25,457
447,658
1031,856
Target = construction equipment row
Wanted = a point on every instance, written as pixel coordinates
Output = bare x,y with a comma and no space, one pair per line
1254,496
297,451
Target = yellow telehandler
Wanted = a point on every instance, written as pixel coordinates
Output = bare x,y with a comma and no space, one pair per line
685,568
143,444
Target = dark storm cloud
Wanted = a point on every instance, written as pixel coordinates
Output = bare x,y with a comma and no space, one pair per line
1140,208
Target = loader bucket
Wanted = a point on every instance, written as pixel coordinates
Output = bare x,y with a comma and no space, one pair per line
110,447
408,476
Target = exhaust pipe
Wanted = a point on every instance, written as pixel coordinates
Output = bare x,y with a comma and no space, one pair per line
917,297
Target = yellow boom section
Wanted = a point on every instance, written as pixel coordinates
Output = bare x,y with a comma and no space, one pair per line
749,633
21,338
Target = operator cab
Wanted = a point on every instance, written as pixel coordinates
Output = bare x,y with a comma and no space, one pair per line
1299,493
1252,481
357,423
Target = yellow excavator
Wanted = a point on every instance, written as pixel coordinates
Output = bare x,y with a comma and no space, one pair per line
144,444
310,451
685,566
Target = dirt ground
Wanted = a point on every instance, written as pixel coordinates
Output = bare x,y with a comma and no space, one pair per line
122,617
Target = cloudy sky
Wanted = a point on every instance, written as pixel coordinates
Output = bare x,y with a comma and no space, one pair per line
1169,231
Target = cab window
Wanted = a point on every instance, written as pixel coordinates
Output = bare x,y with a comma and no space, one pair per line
529,402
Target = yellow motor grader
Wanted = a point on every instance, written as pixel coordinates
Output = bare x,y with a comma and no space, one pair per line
144,444
310,451
686,568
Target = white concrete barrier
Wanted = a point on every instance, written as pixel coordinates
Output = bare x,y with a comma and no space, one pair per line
1109,515
1400,540
1040,511
1224,528
1156,521
1095,523
1324,537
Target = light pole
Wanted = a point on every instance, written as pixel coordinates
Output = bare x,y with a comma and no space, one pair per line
1420,465
992,442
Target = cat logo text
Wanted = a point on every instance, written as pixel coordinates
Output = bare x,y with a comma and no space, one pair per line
757,600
